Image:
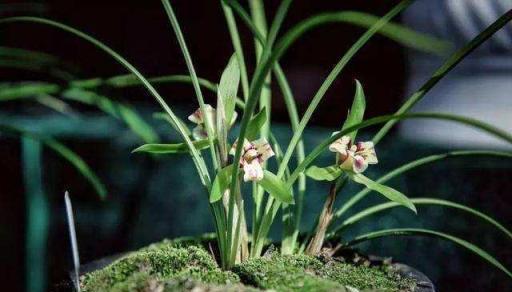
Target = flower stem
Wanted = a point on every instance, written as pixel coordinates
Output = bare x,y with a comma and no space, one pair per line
325,219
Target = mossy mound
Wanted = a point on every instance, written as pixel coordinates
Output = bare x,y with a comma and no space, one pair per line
187,266
306,273
156,266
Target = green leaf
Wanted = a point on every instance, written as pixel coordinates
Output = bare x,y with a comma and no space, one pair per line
431,233
255,124
490,129
65,153
198,160
444,69
221,183
414,164
422,201
121,111
165,117
328,173
78,163
171,148
386,191
122,81
290,37
228,88
26,90
195,81
396,32
276,188
356,113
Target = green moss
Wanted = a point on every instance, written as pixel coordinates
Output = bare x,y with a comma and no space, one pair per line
158,263
305,273
184,266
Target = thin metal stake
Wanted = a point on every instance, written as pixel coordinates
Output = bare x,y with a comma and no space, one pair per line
72,236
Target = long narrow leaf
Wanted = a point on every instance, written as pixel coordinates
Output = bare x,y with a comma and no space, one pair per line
195,82
196,156
66,153
261,72
171,148
390,193
394,31
420,201
382,119
454,59
165,117
23,90
413,165
123,81
431,233
119,110
237,45
332,76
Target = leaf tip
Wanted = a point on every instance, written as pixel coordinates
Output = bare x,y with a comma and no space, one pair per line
411,206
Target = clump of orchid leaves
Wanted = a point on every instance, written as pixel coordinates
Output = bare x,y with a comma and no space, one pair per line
229,157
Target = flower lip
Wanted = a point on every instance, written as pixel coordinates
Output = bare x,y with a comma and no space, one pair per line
253,155
355,157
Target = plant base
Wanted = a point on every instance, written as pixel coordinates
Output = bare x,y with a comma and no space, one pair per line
186,265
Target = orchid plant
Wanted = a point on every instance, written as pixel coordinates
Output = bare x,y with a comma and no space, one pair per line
227,157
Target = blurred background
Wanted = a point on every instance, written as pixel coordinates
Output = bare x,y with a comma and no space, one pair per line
154,198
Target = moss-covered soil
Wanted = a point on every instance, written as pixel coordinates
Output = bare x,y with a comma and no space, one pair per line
182,266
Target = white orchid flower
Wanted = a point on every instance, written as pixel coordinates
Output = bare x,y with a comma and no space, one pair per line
355,157
253,155
197,117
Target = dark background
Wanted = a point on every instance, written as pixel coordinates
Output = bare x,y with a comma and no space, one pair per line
129,219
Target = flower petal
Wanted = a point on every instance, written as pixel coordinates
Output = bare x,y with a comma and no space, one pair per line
198,117
199,133
253,171
341,145
362,146
247,146
360,164
264,149
250,155
371,157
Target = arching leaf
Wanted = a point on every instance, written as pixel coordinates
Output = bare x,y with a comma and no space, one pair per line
390,193
431,233
178,148
421,201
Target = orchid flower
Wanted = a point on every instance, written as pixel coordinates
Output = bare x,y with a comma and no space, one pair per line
354,157
197,117
253,155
